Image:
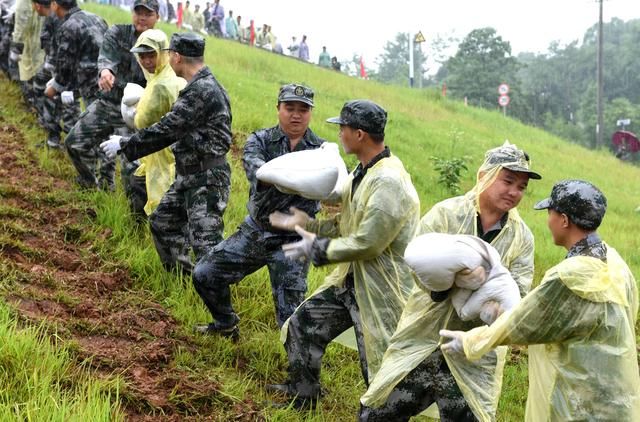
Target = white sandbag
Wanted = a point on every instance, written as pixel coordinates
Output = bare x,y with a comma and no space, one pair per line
343,175
132,93
128,115
312,174
435,258
499,294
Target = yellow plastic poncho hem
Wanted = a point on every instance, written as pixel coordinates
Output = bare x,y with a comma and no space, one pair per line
163,87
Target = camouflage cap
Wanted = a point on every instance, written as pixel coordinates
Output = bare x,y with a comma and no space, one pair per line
187,44
582,202
512,158
66,4
362,114
294,92
152,5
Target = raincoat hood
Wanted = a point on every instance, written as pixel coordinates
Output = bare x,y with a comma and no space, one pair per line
156,40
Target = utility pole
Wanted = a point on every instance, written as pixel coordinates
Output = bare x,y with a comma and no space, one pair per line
410,60
600,111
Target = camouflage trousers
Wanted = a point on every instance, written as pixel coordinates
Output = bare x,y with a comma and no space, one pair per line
188,217
319,320
51,110
135,187
94,126
29,93
243,253
429,382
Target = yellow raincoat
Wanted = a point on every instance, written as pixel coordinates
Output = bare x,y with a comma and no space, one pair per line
417,334
375,227
580,323
28,26
158,97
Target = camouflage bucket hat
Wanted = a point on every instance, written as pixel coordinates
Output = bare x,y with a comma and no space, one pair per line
512,158
362,114
294,92
582,202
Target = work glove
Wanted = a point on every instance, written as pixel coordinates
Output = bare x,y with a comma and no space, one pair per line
455,345
14,57
301,249
288,222
67,97
112,146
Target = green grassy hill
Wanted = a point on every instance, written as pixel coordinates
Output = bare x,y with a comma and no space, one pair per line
421,124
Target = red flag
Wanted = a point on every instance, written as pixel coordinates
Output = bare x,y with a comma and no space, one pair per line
363,71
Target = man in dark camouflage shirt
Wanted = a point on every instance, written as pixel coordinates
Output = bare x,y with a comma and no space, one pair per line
256,243
198,129
116,66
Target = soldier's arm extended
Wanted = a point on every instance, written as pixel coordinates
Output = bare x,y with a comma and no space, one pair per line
187,112
253,157
109,57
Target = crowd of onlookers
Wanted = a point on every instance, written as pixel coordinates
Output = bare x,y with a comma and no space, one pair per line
212,20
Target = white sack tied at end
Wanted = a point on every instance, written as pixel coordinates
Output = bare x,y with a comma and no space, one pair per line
482,287
317,174
130,98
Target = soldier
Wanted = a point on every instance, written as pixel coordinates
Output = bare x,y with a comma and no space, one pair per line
368,289
117,66
25,47
415,373
257,243
579,322
198,128
7,9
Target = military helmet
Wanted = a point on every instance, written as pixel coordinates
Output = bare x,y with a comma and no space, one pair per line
581,201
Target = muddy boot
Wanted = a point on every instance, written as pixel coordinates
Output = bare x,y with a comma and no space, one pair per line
229,330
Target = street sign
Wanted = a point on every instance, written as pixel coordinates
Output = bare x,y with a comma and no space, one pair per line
504,100
623,122
419,38
503,89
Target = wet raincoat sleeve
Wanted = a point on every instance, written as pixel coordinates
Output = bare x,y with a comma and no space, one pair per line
580,323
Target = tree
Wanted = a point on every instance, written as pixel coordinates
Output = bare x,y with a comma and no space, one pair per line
393,64
483,62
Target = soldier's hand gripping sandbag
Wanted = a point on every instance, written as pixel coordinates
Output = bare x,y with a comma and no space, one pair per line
482,287
312,174
130,98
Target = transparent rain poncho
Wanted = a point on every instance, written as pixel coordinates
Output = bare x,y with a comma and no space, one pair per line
159,95
369,237
27,28
417,334
580,325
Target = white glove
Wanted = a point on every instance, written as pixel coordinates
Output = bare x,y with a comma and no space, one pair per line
50,82
455,345
14,57
283,221
112,146
302,248
67,97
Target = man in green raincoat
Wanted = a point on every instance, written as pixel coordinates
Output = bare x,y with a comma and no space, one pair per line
415,373
368,288
579,322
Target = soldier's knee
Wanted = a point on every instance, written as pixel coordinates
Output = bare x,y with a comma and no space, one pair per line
202,274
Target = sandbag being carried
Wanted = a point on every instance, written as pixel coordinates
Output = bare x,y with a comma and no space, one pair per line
313,174
481,286
130,98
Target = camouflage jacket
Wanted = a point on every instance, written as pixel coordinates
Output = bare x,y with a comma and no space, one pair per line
115,56
78,42
265,145
198,126
47,36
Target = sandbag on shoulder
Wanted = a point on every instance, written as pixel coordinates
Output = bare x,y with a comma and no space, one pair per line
312,174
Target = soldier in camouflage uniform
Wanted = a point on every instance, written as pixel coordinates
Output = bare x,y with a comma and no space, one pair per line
6,29
579,322
117,66
368,288
51,110
410,381
198,129
257,243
